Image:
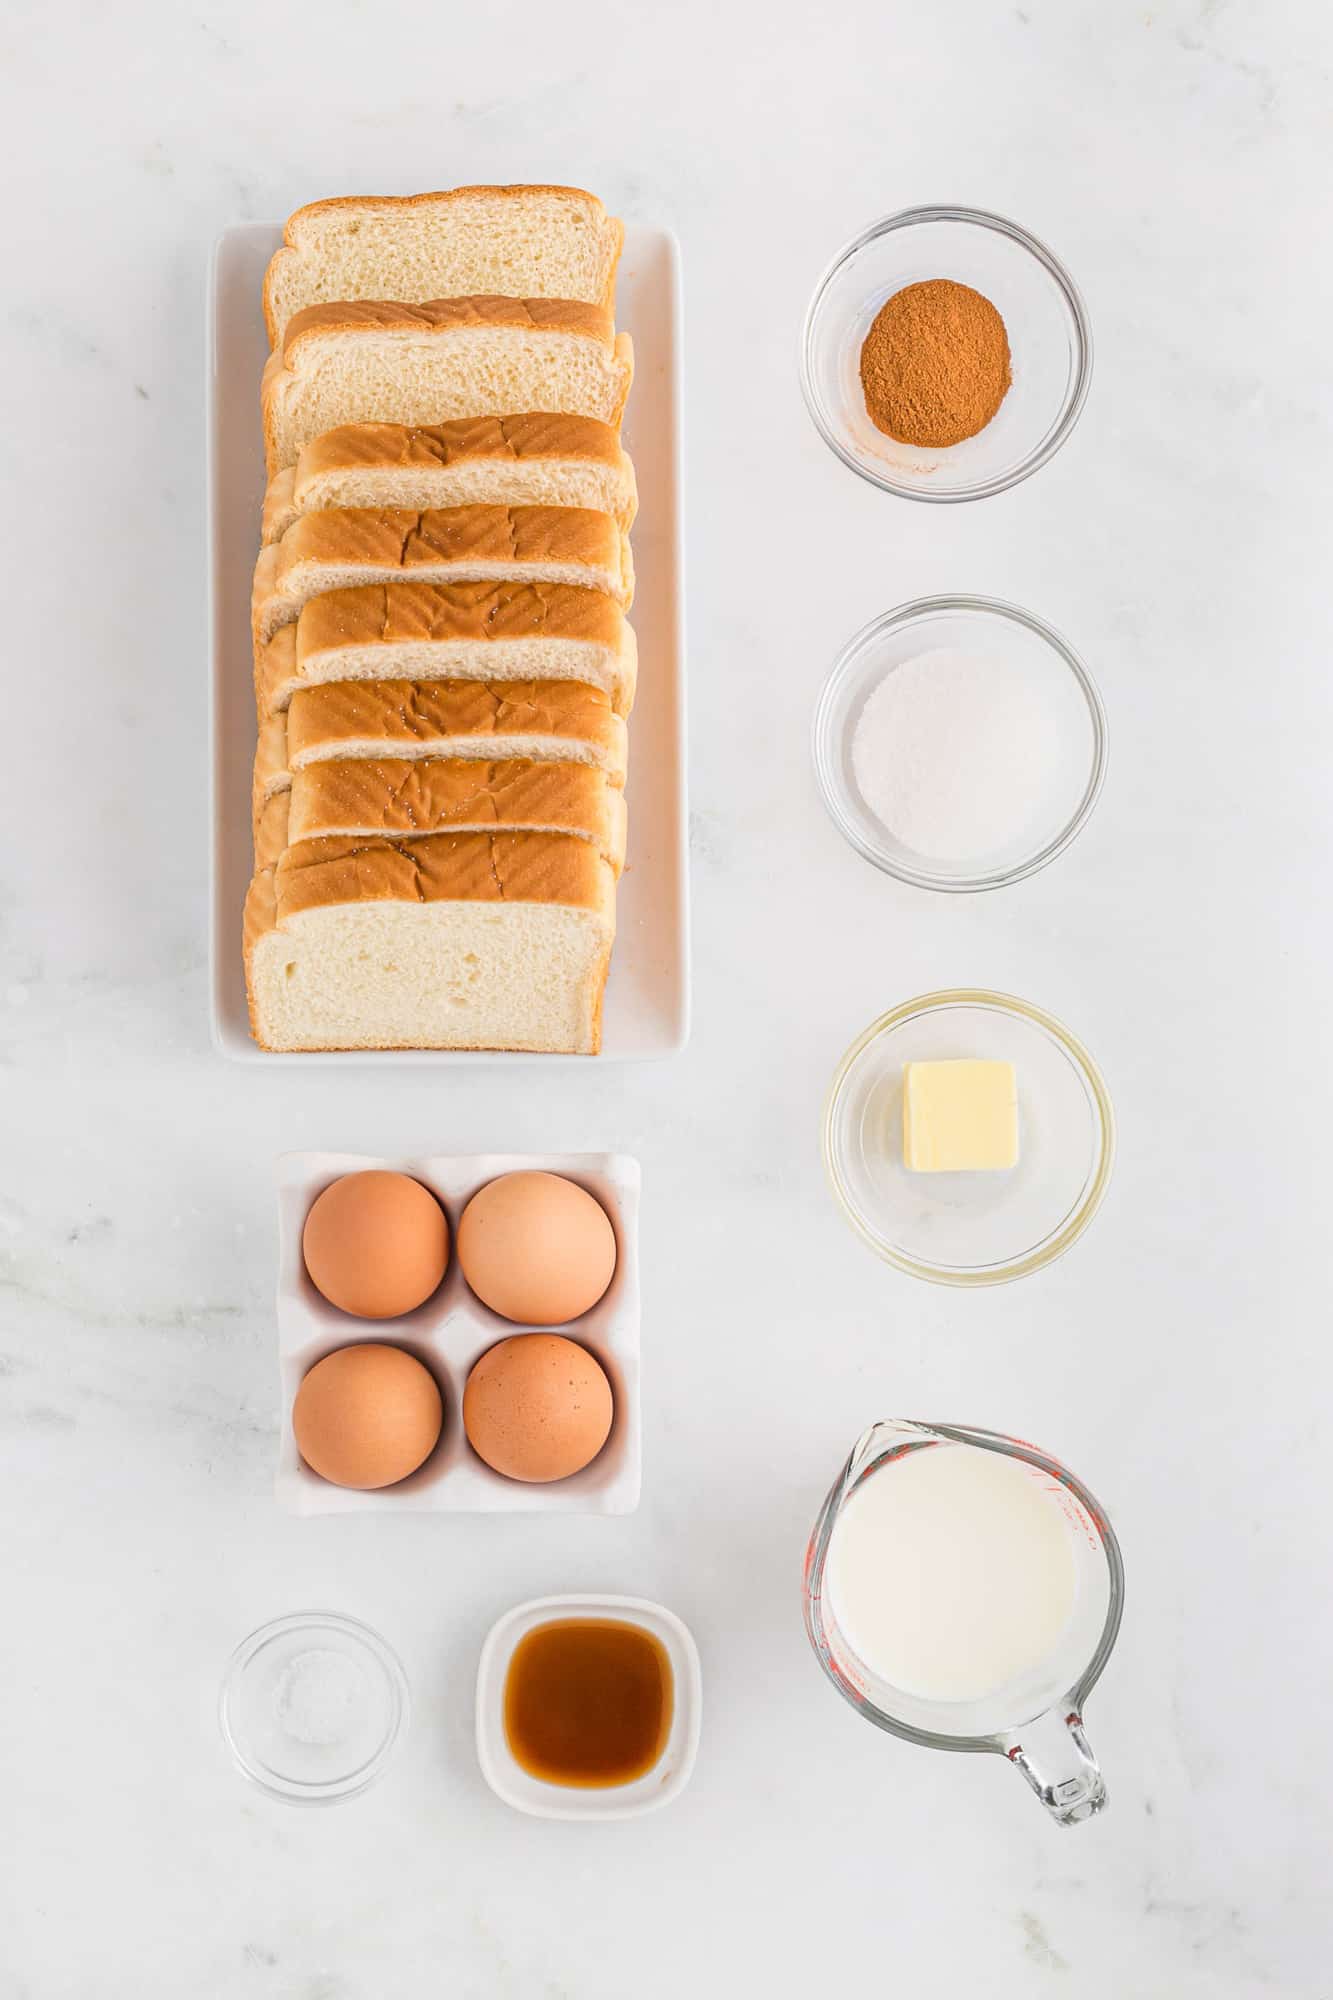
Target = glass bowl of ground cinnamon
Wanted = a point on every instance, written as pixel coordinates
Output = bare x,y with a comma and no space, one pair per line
946,354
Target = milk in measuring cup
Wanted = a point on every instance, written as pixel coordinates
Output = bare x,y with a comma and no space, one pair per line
951,1571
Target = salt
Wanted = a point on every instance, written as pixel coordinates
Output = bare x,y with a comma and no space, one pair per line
320,1696
957,754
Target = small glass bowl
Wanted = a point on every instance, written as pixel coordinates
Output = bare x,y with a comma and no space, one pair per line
970,1228
356,1707
1050,346
966,624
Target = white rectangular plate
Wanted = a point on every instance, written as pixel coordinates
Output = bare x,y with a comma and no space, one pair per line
647,996
451,1332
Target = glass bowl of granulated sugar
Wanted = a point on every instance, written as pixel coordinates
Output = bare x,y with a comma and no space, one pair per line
959,743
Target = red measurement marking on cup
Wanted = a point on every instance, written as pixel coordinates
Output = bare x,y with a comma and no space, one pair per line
850,1678
1069,1504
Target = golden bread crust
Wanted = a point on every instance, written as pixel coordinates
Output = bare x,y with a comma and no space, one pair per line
422,710
443,867
536,434
437,611
414,797
406,536
481,310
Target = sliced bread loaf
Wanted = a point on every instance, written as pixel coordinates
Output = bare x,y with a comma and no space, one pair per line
563,720
451,631
344,548
534,242
428,364
535,460
408,798
454,941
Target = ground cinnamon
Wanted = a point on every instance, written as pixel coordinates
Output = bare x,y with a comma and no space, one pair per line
935,364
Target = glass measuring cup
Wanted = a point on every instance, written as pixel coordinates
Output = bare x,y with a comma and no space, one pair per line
1036,1719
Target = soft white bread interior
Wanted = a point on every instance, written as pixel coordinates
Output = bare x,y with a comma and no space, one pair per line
464,631
429,364
462,941
534,242
343,548
490,720
534,460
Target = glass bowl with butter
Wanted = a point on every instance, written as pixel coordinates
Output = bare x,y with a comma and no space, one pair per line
968,1137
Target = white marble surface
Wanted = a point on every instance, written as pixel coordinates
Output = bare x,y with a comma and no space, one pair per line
1178,1358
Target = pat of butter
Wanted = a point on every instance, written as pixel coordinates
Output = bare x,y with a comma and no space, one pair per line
959,1117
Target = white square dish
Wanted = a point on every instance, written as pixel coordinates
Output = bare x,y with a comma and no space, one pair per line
451,1332
646,1011
668,1776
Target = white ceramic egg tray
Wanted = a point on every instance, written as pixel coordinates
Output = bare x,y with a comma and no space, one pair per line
451,1332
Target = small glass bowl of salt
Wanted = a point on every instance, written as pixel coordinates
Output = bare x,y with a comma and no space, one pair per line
312,1706
959,743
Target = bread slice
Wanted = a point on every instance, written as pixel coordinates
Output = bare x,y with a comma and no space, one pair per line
344,548
454,941
451,631
534,242
491,721
534,460
411,797
432,363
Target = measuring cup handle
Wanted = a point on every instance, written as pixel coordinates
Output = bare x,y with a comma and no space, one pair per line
1056,1758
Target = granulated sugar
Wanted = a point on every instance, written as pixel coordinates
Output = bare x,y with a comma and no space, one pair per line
958,754
321,1697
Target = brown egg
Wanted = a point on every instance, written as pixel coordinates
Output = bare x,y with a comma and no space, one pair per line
376,1244
367,1416
536,1247
537,1407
